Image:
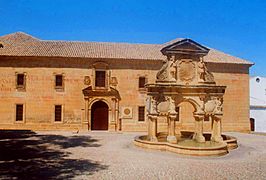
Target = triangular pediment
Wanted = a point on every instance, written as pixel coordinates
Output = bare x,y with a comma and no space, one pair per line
185,46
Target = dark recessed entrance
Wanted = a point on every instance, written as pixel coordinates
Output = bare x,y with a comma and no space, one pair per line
99,116
252,124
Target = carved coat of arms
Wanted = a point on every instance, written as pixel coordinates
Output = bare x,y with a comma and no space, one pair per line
186,70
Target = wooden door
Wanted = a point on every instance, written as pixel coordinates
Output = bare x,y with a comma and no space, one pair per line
99,116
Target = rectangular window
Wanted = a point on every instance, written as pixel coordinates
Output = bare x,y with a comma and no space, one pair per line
58,113
142,82
59,81
20,83
141,113
20,79
100,78
19,112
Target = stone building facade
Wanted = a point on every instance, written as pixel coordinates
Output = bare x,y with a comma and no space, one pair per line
68,85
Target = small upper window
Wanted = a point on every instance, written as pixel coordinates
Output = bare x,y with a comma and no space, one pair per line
142,82
100,78
257,80
20,79
20,83
59,81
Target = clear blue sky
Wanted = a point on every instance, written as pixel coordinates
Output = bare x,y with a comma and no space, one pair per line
232,26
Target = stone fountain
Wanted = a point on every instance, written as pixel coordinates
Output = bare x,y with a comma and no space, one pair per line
184,76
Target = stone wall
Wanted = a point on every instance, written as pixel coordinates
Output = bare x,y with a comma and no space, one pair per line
40,95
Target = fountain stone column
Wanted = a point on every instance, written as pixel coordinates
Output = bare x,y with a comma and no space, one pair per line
216,128
198,134
152,127
171,138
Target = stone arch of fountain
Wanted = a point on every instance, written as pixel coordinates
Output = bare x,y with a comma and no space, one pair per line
184,77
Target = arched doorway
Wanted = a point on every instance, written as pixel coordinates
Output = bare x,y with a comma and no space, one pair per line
99,116
252,124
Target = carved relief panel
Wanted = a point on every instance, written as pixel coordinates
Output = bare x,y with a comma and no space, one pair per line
87,80
213,105
127,112
186,70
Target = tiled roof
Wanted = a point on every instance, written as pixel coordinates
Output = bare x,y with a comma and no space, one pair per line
21,44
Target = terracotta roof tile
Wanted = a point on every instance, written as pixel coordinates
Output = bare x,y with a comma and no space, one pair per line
21,44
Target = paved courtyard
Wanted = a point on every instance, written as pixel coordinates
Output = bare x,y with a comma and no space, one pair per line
105,155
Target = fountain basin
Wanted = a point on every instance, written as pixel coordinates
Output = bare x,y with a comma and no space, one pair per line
187,146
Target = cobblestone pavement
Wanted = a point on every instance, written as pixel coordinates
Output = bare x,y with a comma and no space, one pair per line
107,155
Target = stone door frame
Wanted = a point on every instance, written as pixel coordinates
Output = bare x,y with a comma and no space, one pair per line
113,109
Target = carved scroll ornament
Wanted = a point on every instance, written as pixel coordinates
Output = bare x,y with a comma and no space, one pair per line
214,106
168,70
162,75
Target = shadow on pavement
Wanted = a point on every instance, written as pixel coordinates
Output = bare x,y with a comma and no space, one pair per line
27,155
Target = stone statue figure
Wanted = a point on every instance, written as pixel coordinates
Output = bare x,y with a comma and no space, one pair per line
218,108
171,105
202,70
151,105
172,68
148,104
204,74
